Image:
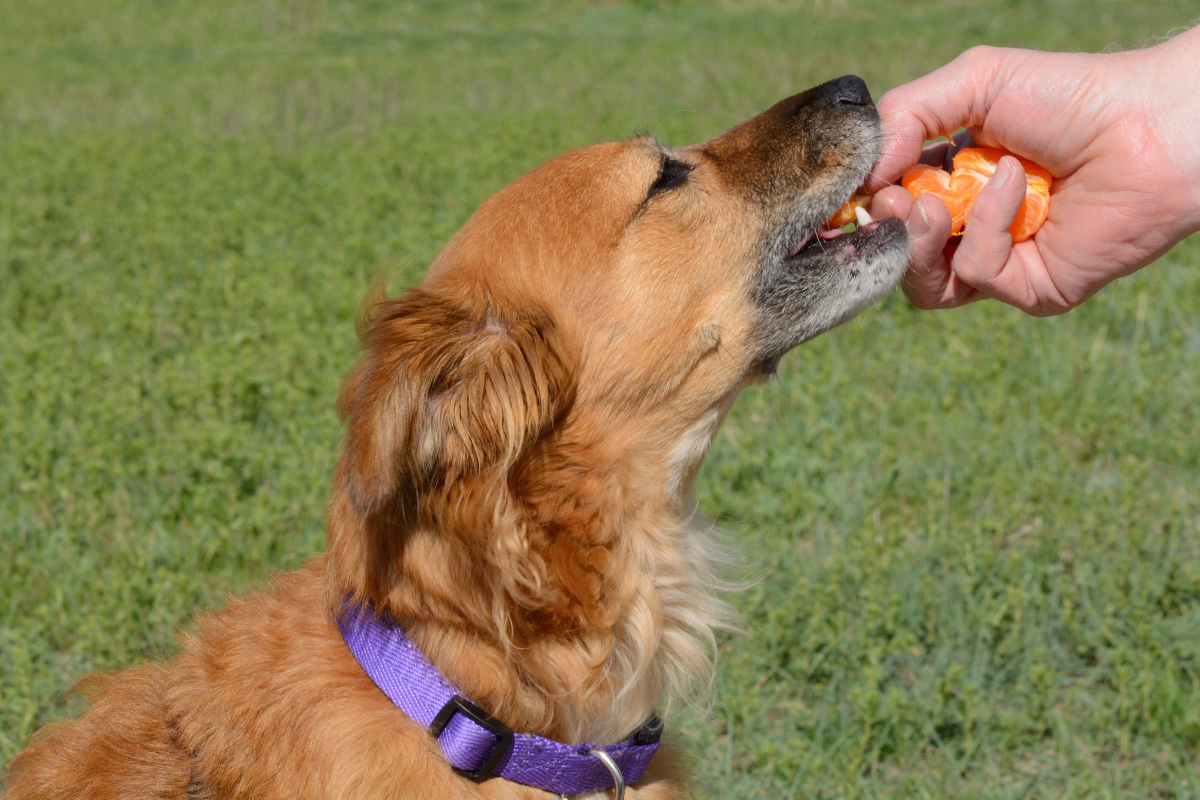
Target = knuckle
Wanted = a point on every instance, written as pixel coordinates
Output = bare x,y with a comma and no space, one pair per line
892,105
918,299
1057,306
988,215
967,270
983,217
1045,310
978,265
979,54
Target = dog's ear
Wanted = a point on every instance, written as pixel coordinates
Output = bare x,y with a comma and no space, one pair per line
447,392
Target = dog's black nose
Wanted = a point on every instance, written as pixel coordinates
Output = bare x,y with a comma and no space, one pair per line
849,90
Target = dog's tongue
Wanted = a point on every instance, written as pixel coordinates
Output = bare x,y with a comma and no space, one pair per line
855,210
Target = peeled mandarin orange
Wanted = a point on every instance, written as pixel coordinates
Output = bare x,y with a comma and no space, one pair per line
985,159
925,179
1031,215
974,167
847,213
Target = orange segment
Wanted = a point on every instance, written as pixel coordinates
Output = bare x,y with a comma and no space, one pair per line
845,215
985,159
1031,215
967,184
974,166
924,179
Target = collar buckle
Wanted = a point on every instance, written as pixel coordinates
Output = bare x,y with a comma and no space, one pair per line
504,734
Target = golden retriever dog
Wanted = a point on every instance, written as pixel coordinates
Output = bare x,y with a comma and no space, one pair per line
522,434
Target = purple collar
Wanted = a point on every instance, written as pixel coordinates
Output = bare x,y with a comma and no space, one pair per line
476,745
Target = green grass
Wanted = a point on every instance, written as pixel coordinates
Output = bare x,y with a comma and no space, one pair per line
978,534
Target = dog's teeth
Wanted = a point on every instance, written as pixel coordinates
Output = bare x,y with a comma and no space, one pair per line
864,218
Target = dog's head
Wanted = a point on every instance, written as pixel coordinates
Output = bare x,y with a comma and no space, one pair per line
562,369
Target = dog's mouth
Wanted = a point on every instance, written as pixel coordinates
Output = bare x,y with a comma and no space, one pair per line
829,259
847,244
846,232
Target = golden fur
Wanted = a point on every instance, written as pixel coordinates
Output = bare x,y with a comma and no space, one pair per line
522,433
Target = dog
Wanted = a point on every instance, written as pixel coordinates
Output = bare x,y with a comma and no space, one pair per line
511,507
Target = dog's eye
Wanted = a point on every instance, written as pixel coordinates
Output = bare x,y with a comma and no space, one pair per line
672,174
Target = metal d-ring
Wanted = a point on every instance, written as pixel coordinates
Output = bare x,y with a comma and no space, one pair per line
618,778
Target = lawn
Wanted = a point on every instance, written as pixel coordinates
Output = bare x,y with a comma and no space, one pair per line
976,535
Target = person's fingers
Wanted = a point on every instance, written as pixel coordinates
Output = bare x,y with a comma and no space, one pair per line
938,104
928,229
986,245
985,262
928,282
928,273
893,201
1027,278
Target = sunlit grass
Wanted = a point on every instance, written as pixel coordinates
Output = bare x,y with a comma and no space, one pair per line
978,534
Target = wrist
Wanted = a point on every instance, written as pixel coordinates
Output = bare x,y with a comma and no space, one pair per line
1174,104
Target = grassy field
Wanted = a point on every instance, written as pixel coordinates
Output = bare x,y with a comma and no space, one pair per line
978,534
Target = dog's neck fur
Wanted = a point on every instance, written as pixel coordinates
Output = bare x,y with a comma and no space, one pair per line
585,593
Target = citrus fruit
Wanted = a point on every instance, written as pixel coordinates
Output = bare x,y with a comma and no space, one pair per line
973,167
925,179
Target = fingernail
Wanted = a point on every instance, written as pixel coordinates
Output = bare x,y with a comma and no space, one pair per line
918,225
1003,171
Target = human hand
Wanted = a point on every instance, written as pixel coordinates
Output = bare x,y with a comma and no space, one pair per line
1118,132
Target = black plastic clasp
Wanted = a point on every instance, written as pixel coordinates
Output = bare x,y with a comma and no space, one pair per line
503,734
650,732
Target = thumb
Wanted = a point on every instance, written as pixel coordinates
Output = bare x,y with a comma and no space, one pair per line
987,243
